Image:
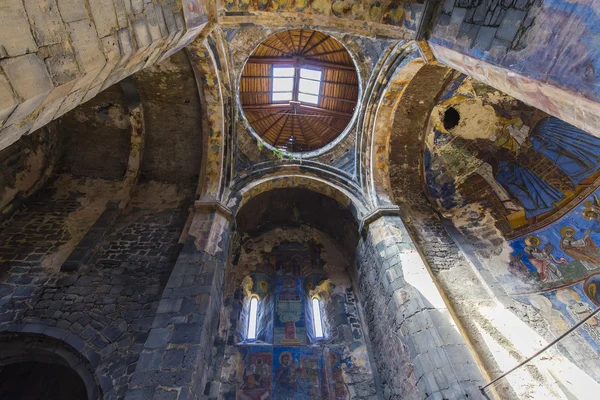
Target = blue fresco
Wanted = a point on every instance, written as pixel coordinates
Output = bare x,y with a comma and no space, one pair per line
577,157
296,373
536,195
561,46
290,319
564,251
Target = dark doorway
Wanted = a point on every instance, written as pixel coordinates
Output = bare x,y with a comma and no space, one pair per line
40,381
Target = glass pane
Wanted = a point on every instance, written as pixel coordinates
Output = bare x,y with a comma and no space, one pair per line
308,98
285,96
253,315
310,74
283,84
317,323
309,87
283,71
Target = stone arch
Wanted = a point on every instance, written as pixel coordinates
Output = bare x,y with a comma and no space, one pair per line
213,86
312,176
404,79
39,343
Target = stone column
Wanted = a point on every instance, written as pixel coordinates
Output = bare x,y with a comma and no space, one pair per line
419,349
177,354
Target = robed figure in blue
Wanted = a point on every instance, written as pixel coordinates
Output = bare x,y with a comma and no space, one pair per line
536,195
573,151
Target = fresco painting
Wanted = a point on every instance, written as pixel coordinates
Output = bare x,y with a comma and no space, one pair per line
565,307
485,147
256,373
286,360
290,321
296,373
562,252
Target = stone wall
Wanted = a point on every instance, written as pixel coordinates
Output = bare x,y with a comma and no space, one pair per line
419,350
55,55
541,52
109,304
26,167
95,138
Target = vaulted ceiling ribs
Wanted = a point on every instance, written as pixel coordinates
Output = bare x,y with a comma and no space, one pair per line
296,125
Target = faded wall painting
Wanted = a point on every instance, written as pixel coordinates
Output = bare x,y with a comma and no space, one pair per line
488,148
515,35
285,269
521,187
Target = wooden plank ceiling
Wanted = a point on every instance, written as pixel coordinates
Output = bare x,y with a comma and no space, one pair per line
293,125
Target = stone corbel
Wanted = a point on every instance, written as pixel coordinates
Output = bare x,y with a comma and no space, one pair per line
207,206
374,215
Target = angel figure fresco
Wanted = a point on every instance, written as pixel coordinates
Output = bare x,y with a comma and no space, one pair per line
543,260
583,250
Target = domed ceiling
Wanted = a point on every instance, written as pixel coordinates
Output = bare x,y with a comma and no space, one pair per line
299,90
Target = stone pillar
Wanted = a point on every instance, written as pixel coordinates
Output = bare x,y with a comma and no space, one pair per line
419,349
177,355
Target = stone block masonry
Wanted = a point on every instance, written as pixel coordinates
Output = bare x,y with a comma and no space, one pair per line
106,309
409,325
57,54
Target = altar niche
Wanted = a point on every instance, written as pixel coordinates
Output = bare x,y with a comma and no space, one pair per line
290,271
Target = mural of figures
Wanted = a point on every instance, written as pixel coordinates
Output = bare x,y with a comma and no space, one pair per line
535,194
562,252
543,260
256,374
488,148
286,360
297,373
578,157
583,249
290,327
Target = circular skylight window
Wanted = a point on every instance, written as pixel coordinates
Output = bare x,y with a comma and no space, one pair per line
299,89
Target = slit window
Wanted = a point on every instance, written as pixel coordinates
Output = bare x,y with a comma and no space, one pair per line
310,85
317,321
283,83
253,318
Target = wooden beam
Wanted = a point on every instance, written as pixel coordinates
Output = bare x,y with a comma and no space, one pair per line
316,45
275,48
299,61
321,96
286,106
327,53
273,124
262,118
350,85
281,130
307,42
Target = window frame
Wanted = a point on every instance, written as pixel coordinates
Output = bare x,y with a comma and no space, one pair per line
320,84
273,78
317,319
252,334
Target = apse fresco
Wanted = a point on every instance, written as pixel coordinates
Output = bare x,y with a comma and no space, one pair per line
564,251
522,187
488,148
285,269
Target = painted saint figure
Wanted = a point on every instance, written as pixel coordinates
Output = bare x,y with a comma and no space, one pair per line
583,249
543,260
284,378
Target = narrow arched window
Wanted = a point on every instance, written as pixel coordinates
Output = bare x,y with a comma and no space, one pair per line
317,321
253,318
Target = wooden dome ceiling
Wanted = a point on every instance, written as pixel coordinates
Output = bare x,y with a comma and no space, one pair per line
320,99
